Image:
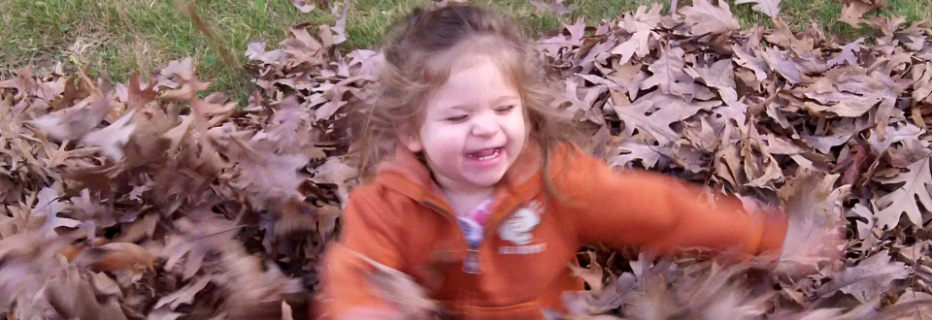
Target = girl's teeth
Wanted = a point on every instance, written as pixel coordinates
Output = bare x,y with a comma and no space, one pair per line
491,156
486,154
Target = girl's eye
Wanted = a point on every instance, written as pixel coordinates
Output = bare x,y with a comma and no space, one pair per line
456,119
504,109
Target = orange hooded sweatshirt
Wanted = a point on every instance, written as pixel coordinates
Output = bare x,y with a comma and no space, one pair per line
402,221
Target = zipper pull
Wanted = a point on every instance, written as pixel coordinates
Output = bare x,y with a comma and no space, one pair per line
471,263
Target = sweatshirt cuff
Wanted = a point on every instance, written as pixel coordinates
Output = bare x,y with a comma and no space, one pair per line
772,239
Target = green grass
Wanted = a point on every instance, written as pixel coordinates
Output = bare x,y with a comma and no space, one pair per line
138,36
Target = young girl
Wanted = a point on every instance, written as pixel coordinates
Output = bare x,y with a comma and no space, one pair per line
482,200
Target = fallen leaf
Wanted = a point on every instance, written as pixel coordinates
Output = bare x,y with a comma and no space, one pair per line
641,24
339,27
769,7
592,275
865,227
555,7
571,96
628,77
655,112
922,87
848,54
336,172
783,64
855,165
783,36
305,6
177,71
73,123
868,279
140,229
852,10
47,209
706,18
116,256
667,71
912,295
255,50
915,252
188,91
194,244
184,295
137,96
720,75
112,138
331,107
750,59
105,285
164,313
668,74
401,289
735,111
629,152
577,30
627,49
894,134
23,82
73,298
918,180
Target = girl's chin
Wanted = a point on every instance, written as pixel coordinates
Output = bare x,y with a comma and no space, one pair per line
486,180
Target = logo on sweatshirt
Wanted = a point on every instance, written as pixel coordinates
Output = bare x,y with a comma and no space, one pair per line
517,229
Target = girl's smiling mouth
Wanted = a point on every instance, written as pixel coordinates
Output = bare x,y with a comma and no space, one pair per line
486,157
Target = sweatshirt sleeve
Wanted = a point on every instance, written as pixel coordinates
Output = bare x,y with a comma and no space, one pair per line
661,213
367,232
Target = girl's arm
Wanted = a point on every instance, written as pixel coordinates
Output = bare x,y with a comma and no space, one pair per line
367,233
661,213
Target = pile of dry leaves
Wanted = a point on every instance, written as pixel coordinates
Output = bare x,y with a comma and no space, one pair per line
156,200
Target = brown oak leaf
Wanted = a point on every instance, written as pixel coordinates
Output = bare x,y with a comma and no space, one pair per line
707,18
668,73
917,181
630,152
339,27
75,122
137,97
852,10
641,26
305,6
868,279
185,295
555,7
848,54
720,75
783,63
769,7
112,138
855,165
655,112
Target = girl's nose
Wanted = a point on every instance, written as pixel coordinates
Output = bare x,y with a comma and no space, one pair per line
484,126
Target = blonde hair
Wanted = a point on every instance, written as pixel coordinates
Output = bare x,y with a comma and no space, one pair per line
419,52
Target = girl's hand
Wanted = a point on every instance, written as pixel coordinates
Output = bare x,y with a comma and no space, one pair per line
815,236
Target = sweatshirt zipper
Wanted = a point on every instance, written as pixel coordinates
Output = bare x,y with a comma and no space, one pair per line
471,262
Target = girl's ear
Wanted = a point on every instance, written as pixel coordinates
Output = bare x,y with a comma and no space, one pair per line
410,140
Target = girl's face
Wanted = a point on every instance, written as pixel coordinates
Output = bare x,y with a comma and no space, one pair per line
474,128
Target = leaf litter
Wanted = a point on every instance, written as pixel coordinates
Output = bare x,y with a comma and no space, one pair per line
155,199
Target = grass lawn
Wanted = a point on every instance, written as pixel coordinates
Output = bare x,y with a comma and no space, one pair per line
129,36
